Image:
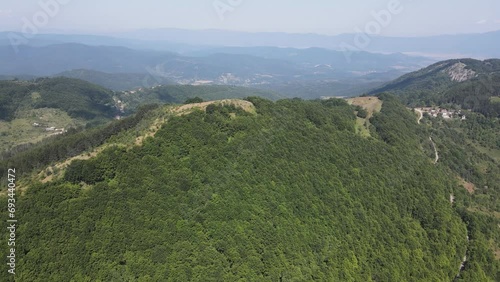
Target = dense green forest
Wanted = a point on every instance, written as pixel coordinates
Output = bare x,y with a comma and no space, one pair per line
289,193
470,150
78,98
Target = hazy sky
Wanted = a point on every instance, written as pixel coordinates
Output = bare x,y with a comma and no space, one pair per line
418,17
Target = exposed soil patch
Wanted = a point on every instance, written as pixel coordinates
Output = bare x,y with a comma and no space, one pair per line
470,187
186,109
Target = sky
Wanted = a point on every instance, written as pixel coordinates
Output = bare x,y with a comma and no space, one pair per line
396,17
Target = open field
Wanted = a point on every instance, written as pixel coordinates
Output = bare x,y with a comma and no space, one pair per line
22,130
371,105
245,105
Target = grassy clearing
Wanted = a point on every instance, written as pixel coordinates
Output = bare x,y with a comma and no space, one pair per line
361,127
372,105
495,99
480,210
493,153
22,131
186,109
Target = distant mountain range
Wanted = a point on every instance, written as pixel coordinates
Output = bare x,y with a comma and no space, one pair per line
116,81
179,40
121,68
468,45
305,65
51,59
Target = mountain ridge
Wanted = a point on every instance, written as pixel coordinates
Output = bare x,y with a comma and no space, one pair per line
466,83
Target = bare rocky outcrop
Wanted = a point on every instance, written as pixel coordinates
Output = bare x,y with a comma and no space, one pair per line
459,73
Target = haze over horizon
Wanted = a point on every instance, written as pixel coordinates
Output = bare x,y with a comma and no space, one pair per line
407,18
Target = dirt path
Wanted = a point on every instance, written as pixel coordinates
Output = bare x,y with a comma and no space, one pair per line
464,260
435,151
420,115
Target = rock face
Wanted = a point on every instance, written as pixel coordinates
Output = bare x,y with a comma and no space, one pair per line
459,73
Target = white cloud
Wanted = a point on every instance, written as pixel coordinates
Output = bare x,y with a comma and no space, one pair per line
482,22
497,21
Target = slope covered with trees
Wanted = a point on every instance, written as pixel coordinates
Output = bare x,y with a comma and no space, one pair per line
462,83
289,193
78,98
116,81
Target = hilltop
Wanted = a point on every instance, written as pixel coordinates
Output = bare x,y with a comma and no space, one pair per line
235,189
178,94
36,109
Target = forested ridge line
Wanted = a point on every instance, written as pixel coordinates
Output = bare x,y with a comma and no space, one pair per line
58,148
290,193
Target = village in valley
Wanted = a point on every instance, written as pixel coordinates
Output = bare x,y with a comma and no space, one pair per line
440,112
56,131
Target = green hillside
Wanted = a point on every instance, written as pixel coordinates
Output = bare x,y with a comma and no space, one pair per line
116,81
463,83
27,108
33,110
286,192
78,98
178,94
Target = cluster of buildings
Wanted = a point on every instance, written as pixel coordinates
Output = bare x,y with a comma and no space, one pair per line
444,113
51,129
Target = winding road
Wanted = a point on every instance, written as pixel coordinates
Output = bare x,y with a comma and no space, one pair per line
452,198
420,115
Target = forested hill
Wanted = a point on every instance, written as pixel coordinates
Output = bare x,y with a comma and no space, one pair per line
274,191
78,98
465,83
116,81
178,94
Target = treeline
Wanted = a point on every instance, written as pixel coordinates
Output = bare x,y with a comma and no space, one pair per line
68,145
